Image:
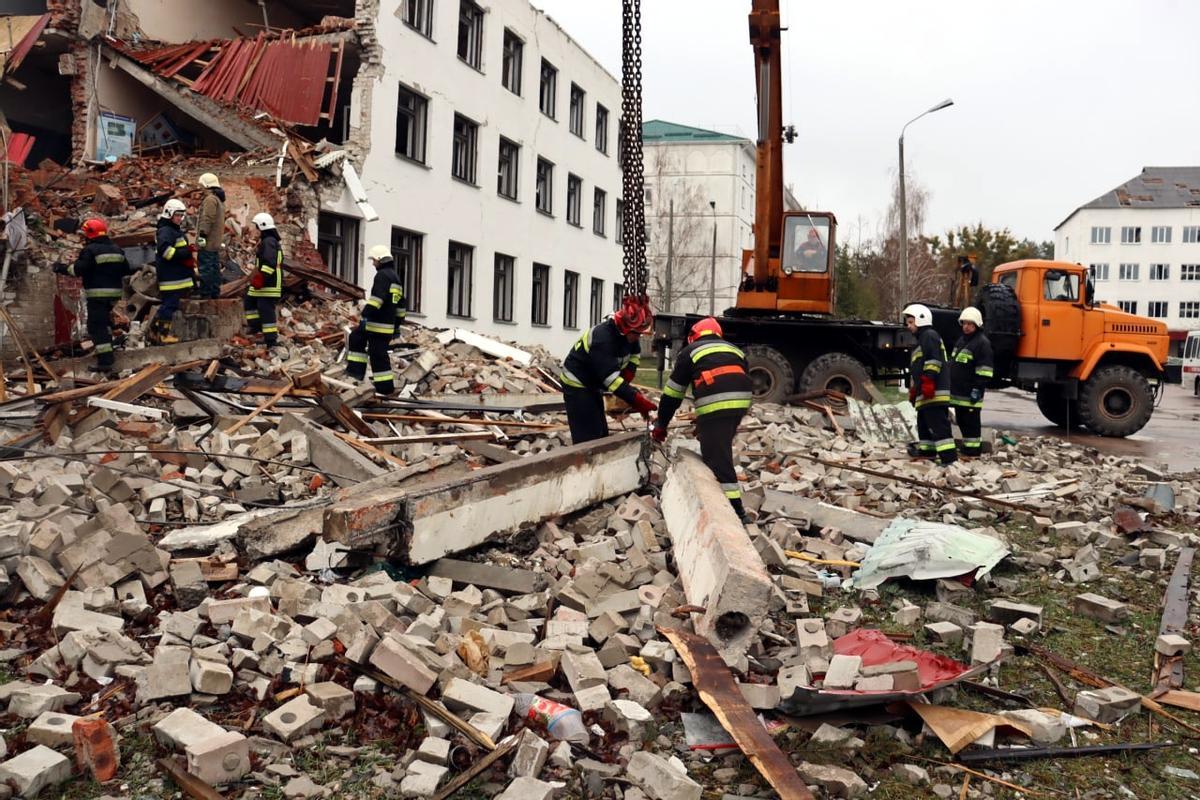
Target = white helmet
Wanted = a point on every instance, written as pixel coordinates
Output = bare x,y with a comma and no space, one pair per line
171,208
263,221
971,314
209,181
920,313
380,252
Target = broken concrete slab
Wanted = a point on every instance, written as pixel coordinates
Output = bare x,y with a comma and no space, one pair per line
853,525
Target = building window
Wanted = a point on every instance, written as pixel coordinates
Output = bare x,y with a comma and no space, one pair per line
1191,234
541,295
1128,272
570,299
503,280
1189,272
545,186
514,54
602,129
1156,309
1160,234
1189,310
574,198
620,221
578,98
648,197
621,143
1160,272
1099,271
599,211
337,242
508,169
411,118
458,280
549,88
418,15
466,137
1131,235
406,250
596,302
470,33
1101,235
1128,306
618,295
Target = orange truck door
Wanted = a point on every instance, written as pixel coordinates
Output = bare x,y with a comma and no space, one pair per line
1060,316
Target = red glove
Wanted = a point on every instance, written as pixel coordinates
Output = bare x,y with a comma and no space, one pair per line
928,387
912,394
643,405
659,434
258,280
629,373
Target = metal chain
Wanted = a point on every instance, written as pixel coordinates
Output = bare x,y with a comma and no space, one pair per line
636,273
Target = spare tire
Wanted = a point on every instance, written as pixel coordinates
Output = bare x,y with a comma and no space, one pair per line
1002,323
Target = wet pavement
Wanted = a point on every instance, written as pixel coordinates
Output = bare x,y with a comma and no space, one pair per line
1172,436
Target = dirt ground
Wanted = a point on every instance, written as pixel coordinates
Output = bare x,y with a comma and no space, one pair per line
1172,436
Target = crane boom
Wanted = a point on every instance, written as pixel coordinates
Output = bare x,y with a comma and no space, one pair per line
765,38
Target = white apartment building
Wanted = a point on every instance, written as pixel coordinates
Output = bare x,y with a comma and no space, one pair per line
493,167
1142,243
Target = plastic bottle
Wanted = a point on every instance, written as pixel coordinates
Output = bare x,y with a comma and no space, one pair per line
563,723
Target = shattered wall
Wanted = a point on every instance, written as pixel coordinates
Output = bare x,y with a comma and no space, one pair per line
161,20
29,296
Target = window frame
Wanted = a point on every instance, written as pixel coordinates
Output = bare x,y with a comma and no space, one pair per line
618,295
599,211
1160,272
1189,309
1189,272
409,265
539,295
1128,306
419,116
570,318
515,163
1096,274
1129,275
1160,234
475,36
601,132
575,208
596,302
344,241
1191,234
1105,236
466,280
471,144
620,222
548,97
1131,234
425,29
1152,306
517,55
577,111
544,200
504,280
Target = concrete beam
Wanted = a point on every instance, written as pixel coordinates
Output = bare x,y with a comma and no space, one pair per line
424,523
718,565
198,350
856,526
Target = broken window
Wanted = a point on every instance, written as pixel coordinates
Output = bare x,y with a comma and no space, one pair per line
596,302
599,211
418,15
503,278
458,280
602,129
470,33
570,299
549,87
514,52
411,117
545,186
466,135
574,198
508,168
406,250
541,295
337,242
578,99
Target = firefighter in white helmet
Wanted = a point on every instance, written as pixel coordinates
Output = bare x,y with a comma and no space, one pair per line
929,388
371,340
266,281
971,370
175,267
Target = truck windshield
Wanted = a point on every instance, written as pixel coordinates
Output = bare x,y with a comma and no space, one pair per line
806,244
1061,286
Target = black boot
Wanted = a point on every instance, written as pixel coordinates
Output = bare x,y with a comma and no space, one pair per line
739,509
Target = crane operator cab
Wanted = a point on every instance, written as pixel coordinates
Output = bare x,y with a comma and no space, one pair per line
798,277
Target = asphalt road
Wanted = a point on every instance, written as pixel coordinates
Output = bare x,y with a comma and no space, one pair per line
1172,436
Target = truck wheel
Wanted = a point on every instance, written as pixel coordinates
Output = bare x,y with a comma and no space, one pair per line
1115,401
771,373
1057,408
837,371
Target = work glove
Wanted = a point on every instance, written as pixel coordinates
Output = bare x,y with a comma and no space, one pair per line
629,373
912,394
928,387
976,394
658,434
201,242
643,405
258,280
60,268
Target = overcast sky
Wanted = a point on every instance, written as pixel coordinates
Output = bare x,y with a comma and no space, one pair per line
1055,101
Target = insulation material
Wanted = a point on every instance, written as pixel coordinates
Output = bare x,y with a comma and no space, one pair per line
926,551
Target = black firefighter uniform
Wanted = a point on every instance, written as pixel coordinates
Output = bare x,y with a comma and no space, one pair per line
929,376
371,340
971,369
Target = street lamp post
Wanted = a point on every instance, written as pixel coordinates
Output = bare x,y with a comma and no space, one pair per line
904,203
712,272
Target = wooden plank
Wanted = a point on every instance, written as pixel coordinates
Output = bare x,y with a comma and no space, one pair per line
488,576
720,693
369,449
192,786
540,672
214,570
1180,699
431,438
1168,672
213,366
477,769
263,406
435,420
337,408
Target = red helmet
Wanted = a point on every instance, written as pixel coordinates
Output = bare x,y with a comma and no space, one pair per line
634,316
705,327
93,228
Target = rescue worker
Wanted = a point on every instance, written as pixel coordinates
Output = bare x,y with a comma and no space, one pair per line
929,388
102,266
604,359
175,265
371,340
266,281
721,391
971,370
210,236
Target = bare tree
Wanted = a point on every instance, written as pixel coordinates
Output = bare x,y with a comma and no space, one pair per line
927,279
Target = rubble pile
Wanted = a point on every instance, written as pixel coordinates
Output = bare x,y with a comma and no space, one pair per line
279,585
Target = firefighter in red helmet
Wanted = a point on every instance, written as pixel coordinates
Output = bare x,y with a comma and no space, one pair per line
102,266
605,359
715,370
